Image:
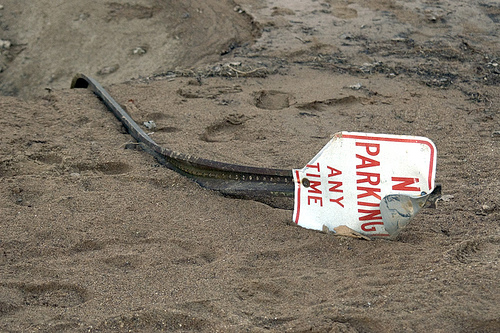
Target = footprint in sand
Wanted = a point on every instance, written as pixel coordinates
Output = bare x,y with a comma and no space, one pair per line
481,251
51,294
272,99
224,130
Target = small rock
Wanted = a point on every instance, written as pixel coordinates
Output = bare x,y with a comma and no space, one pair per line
1,7
367,67
139,51
239,10
346,36
399,39
495,134
446,198
151,125
356,86
5,44
487,208
108,70
434,14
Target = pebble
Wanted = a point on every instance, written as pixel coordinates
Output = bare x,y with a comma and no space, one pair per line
434,14
1,7
356,86
239,10
5,44
446,198
495,134
151,125
399,39
487,208
108,70
138,51
346,36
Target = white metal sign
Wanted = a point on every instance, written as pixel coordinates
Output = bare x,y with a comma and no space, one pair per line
344,184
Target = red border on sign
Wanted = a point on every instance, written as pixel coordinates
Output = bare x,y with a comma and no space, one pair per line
298,197
361,137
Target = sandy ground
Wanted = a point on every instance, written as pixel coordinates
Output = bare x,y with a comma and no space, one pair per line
98,238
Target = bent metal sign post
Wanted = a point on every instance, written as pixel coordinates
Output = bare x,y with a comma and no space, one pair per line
344,184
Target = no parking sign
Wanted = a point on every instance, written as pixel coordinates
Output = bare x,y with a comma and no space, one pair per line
346,182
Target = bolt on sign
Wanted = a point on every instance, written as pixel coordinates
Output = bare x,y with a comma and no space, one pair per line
354,175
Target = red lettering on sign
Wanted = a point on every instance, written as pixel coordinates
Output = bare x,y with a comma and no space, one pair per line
368,192
370,177
338,201
312,175
365,226
366,162
316,200
368,204
314,166
372,214
404,184
333,172
313,188
367,145
335,187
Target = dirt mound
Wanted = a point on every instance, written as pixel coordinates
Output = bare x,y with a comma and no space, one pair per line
116,41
